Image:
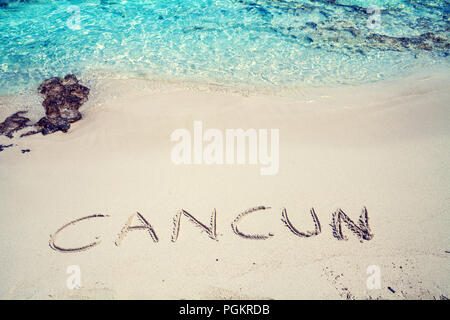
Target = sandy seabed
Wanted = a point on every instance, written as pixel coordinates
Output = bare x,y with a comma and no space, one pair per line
383,146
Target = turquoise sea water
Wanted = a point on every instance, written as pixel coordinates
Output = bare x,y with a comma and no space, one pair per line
257,42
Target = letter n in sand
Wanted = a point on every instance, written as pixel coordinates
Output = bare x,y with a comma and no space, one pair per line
211,231
362,230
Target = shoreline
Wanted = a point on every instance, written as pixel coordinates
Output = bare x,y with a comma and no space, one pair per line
30,99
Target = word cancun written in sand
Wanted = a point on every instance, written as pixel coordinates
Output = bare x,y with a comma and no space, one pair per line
189,149
361,229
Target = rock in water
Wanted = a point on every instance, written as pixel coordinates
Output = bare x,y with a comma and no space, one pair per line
14,123
62,99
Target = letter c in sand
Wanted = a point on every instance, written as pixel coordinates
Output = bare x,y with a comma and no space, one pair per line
57,248
249,236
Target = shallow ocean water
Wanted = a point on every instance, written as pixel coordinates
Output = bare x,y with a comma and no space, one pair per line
232,42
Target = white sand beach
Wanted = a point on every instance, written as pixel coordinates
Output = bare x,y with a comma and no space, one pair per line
385,146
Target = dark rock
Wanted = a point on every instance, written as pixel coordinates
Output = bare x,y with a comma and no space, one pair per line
14,123
3,147
50,125
62,99
312,25
426,41
25,150
353,31
425,46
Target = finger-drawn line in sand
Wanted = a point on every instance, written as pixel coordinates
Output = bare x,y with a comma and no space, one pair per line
249,236
362,230
317,227
128,227
58,248
211,230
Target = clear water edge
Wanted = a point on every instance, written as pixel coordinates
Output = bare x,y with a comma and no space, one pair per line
231,43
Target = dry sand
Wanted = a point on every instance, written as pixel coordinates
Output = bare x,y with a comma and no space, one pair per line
385,146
